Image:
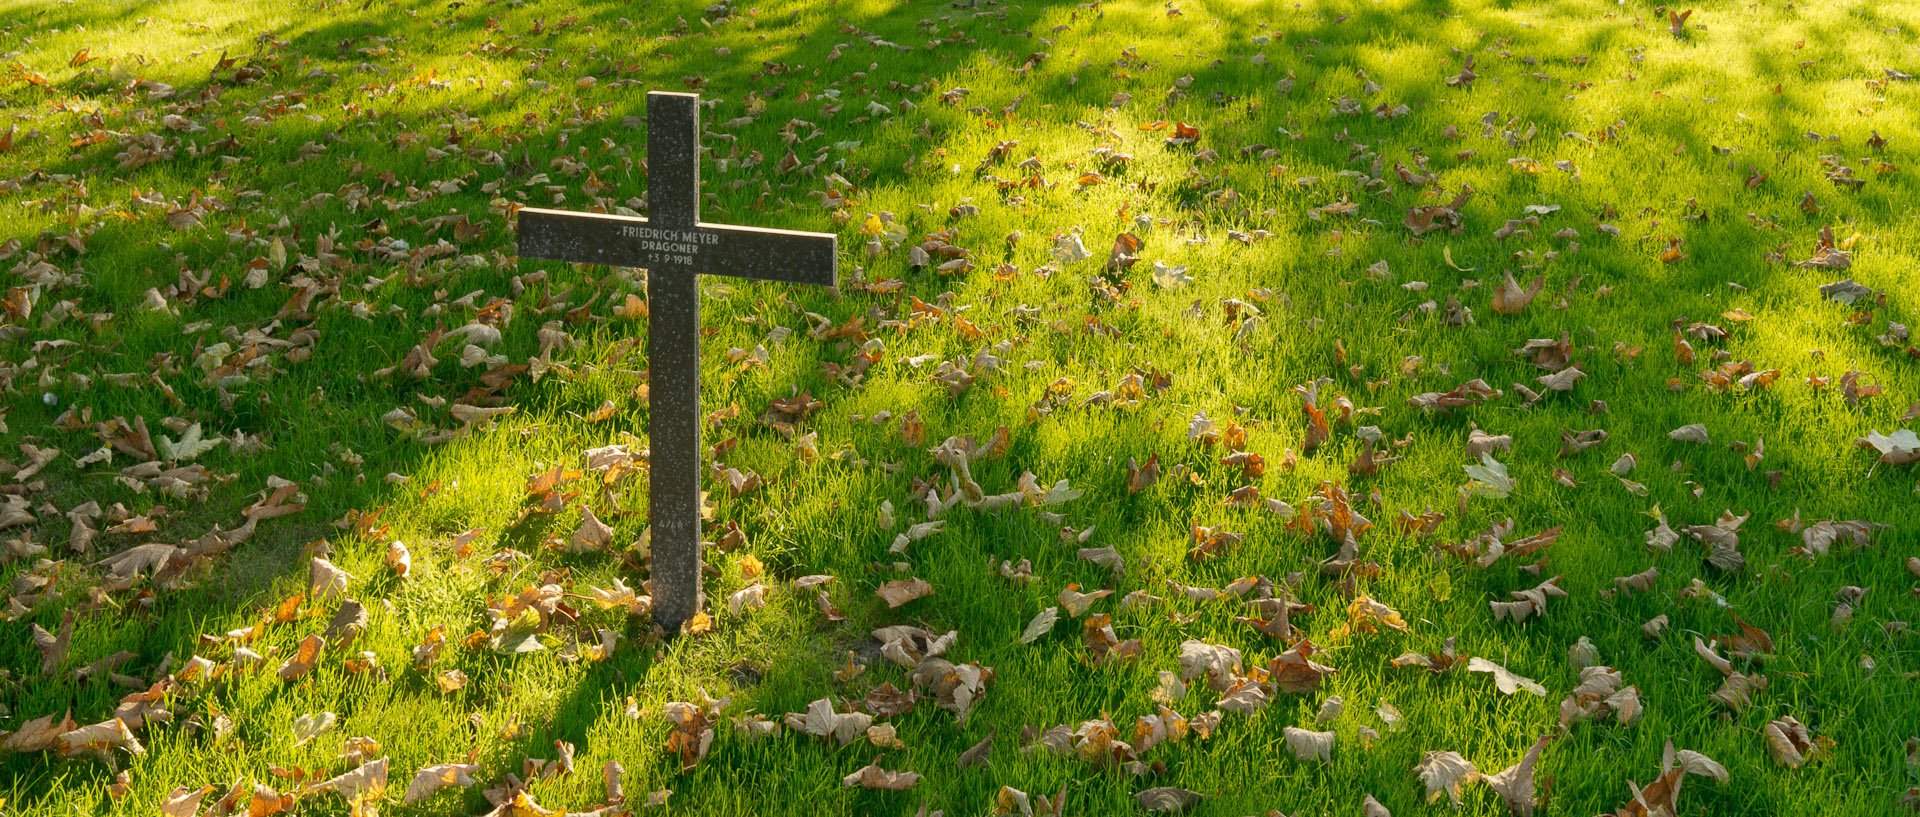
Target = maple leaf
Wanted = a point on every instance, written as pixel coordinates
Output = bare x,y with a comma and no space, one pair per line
592,535
325,581
1510,299
1141,477
1514,784
1106,557
1446,659
1899,448
1489,478
108,734
1104,645
1446,772
1845,291
1076,602
1309,745
1677,21
304,659
53,648
1789,742
1504,679
1068,249
1040,625
38,735
183,803
312,725
980,754
1218,663
433,778
190,445
1562,380
363,784
902,591
1364,613
1167,799
1170,277
1690,433
1370,807
821,721
1294,671
872,776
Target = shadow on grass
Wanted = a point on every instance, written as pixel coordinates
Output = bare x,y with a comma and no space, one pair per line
326,396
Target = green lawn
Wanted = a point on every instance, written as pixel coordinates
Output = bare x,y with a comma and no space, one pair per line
283,230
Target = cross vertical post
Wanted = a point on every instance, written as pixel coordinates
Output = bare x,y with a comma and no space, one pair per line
676,247
673,363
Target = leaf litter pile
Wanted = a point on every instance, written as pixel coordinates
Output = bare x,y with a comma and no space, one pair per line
1225,410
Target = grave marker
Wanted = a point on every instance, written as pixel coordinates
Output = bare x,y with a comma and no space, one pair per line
676,247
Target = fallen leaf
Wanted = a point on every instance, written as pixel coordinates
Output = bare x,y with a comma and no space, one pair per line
902,591
310,726
1218,663
1789,742
1504,679
1076,602
981,754
1040,625
1899,448
1510,299
1514,784
1167,799
1690,433
1309,745
871,776
1364,613
1445,772
361,785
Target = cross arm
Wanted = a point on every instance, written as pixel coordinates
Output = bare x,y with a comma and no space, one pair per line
705,249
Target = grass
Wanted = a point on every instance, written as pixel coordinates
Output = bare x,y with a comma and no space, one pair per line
1704,141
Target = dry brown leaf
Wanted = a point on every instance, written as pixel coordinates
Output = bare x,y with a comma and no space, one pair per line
1076,602
1141,477
183,803
902,591
1514,784
1366,615
1510,299
871,776
1167,799
821,721
1294,671
1309,745
304,658
1789,742
1445,772
363,784
981,754
53,648
108,734
1040,625
1218,663
1372,808
1504,679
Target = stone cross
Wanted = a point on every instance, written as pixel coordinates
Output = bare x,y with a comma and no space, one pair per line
676,247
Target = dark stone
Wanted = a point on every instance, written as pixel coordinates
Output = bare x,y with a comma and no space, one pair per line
675,247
